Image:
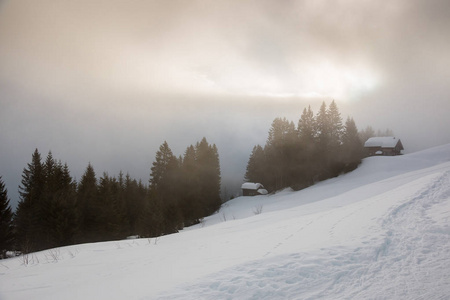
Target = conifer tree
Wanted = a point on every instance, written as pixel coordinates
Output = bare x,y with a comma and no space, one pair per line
256,166
58,204
334,163
322,128
335,127
65,201
144,223
208,168
160,166
87,207
6,222
109,211
163,186
352,147
306,127
215,179
307,131
281,152
135,203
30,234
190,186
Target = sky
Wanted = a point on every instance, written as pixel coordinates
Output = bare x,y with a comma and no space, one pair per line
107,82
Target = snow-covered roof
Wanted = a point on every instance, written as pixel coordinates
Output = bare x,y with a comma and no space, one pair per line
382,141
251,186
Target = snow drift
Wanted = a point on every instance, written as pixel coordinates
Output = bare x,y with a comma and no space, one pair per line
381,231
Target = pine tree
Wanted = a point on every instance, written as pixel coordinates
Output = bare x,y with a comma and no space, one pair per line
164,182
58,204
256,166
160,166
190,185
322,128
306,127
87,207
110,215
30,234
144,223
215,201
335,126
307,131
48,206
135,203
281,151
6,222
334,152
352,146
208,174
65,201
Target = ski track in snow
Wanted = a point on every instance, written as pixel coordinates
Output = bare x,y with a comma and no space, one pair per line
397,266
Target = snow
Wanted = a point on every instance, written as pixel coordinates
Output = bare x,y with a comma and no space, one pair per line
380,232
251,186
382,141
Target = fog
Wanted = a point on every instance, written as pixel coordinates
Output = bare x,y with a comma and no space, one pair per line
107,82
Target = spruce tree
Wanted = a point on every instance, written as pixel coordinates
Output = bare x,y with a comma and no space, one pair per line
322,128
190,186
307,132
144,223
160,166
164,183
28,220
281,151
58,204
336,128
6,222
110,214
134,198
352,147
306,127
256,166
48,206
65,201
87,207
208,168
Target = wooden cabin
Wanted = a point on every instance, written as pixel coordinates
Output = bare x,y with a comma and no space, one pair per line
383,145
253,189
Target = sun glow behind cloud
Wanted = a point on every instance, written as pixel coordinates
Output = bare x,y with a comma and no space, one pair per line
328,79
225,72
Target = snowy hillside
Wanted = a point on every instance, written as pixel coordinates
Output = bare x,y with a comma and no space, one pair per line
380,232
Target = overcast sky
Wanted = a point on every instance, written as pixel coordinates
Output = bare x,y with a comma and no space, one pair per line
107,82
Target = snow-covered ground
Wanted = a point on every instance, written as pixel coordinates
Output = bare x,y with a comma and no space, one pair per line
380,232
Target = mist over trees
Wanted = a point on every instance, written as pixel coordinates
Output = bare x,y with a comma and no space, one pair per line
320,147
54,210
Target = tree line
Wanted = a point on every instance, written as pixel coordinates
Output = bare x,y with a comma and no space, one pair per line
321,146
54,210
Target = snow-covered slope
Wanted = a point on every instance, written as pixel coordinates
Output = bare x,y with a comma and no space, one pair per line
380,232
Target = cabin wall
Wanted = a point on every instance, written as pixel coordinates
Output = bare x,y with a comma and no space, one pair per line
246,192
371,151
